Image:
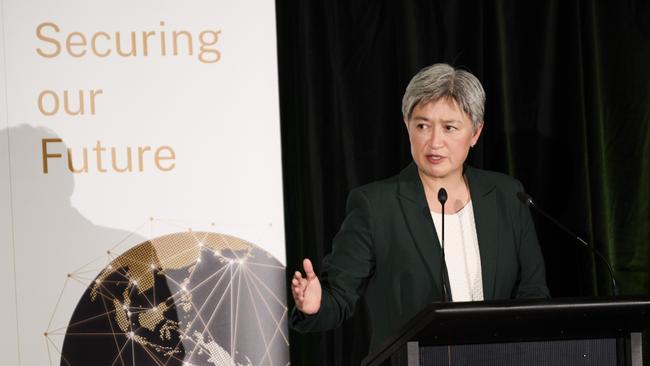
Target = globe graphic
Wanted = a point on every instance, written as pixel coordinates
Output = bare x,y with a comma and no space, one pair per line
191,298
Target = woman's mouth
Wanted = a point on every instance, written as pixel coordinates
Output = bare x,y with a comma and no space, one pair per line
435,158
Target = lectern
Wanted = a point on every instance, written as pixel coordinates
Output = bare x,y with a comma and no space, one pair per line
585,331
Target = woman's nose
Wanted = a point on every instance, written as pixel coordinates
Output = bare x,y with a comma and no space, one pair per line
436,140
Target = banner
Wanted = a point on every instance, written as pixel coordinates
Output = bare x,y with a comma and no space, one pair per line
141,186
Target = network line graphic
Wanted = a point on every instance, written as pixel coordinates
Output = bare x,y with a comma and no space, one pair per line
188,298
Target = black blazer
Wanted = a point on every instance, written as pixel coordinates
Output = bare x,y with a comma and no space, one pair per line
387,250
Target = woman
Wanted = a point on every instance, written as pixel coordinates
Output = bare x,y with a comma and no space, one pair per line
388,248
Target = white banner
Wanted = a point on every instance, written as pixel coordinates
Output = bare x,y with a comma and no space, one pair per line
142,215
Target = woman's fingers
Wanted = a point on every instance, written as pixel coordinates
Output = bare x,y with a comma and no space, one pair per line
309,269
306,289
298,286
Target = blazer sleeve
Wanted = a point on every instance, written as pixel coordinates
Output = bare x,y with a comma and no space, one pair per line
345,271
532,278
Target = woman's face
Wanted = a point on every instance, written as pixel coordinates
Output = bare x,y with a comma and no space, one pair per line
441,135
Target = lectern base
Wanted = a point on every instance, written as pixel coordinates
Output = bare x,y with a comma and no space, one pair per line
597,352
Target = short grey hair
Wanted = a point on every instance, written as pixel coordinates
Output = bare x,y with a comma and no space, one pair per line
441,81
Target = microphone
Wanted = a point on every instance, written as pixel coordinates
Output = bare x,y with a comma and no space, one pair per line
442,198
528,201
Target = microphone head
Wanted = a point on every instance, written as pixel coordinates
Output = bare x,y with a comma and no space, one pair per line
442,196
525,198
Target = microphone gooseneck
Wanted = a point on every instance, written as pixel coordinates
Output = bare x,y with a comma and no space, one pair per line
442,198
528,201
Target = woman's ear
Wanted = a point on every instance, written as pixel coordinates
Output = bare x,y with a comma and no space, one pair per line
477,134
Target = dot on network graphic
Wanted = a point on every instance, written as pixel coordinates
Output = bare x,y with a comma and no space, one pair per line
186,299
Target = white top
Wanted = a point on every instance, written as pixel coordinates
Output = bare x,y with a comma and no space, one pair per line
461,254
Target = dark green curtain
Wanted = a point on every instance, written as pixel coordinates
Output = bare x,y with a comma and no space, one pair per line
568,114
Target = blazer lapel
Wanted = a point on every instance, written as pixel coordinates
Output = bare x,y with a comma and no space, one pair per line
485,216
418,219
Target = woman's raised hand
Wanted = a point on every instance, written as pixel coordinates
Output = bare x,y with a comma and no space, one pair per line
306,290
